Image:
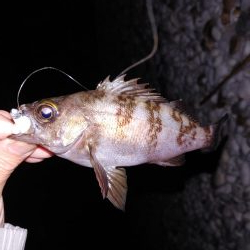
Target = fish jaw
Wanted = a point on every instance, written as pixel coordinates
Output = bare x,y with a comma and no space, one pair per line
22,123
23,128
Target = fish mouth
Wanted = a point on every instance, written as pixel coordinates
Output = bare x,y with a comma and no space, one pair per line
22,123
23,129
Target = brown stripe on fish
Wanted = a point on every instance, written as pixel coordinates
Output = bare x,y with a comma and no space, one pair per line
207,130
186,130
91,97
125,109
176,115
208,134
154,121
194,135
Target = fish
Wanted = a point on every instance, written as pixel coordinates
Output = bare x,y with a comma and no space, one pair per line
121,123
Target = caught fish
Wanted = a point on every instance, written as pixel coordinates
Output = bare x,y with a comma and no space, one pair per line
120,124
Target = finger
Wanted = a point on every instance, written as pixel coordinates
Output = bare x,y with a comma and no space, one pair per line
41,153
12,154
33,160
6,126
20,149
5,114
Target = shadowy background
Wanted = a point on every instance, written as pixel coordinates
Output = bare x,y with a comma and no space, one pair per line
57,201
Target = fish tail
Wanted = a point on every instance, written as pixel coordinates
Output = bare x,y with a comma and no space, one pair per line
215,138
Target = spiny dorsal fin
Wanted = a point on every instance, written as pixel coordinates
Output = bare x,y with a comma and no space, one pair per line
181,107
117,192
131,87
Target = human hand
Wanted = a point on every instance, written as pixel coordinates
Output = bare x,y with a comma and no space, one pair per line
13,152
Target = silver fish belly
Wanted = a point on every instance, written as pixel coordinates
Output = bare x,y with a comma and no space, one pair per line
120,124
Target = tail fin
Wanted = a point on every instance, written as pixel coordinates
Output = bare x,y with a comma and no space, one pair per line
215,138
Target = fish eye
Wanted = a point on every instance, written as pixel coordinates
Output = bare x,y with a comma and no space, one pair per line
46,111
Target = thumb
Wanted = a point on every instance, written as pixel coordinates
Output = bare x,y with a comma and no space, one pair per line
14,152
11,155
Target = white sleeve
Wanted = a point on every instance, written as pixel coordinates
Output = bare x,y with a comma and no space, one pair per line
12,238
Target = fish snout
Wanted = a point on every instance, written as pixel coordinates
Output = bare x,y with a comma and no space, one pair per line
22,123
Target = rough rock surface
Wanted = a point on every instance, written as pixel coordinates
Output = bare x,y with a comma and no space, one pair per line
201,43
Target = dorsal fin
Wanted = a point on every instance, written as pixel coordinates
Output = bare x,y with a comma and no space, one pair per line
131,87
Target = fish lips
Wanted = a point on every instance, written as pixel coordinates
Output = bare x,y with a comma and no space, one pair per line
23,126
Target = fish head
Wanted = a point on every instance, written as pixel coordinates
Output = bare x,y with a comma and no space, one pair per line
54,123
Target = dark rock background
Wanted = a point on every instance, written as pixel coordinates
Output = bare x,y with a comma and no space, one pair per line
203,205
200,44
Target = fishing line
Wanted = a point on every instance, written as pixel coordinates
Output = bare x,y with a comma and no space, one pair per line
155,38
41,69
146,58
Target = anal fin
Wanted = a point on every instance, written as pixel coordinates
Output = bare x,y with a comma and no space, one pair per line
175,161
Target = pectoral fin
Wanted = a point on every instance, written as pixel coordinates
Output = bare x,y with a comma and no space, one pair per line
112,181
100,173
